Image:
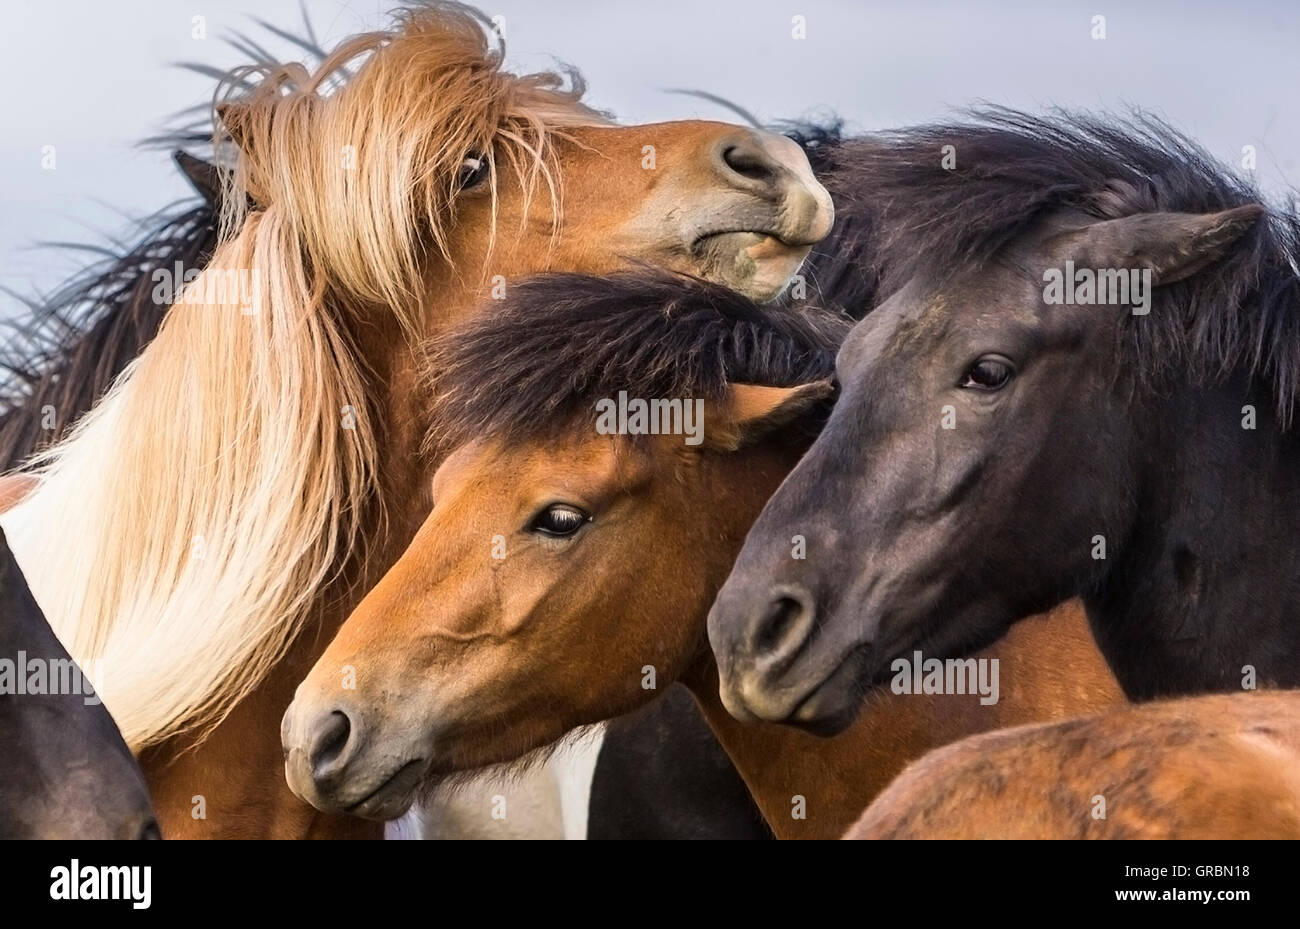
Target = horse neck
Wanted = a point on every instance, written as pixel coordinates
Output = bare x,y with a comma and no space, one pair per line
1205,585
1049,668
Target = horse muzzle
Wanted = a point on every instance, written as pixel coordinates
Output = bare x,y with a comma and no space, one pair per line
773,666
337,762
746,218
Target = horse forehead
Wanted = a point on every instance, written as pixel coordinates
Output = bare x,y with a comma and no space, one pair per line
900,327
563,459
517,463
460,466
688,137
597,461
1002,293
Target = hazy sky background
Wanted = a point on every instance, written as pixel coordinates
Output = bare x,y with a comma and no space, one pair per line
93,78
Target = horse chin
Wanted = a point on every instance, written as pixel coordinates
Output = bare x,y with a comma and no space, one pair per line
834,704
757,264
395,795
825,707
382,797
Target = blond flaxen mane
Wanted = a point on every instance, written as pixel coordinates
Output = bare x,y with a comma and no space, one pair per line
385,148
180,535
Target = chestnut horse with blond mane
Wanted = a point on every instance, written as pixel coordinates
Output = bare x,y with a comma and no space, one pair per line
564,575
234,489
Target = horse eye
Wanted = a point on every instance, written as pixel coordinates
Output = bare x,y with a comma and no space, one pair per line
473,171
559,520
988,374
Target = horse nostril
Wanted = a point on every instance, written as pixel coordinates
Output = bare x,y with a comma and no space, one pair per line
329,743
781,615
749,161
784,627
149,829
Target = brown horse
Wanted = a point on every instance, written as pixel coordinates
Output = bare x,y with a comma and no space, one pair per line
1220,767
233,492
564,575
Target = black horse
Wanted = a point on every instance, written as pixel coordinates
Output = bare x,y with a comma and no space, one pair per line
1081,382
67,772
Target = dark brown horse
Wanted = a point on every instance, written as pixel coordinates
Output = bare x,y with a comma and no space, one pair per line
67,772
1003,443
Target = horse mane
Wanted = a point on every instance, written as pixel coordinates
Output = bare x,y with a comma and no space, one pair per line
225,480
73,343
202,534
64,356
557,342
906,214
367,166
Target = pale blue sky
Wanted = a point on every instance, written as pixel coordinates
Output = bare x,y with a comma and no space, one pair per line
92,78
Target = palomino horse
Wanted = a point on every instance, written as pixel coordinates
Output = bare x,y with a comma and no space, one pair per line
233,491
1005,440
1217,767
68,774
564,575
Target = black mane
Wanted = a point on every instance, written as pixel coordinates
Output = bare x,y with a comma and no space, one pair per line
558,342
78,340
900,213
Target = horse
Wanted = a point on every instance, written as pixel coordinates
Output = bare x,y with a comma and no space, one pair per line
1001,444
660,774
565,571
235,488
1226,766
68,773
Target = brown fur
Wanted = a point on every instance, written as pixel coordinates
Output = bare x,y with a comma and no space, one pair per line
1217,767
1050,669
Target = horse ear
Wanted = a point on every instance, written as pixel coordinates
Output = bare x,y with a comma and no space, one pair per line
750,412
203,177
1173,245
233,116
